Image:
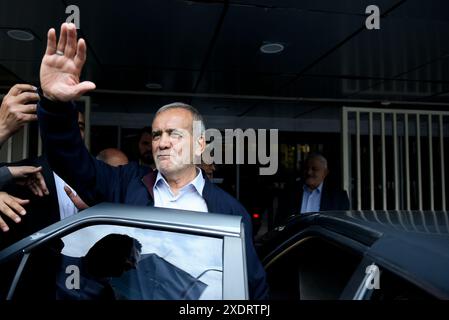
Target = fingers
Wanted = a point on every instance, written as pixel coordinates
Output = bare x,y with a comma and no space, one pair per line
15,205
59,80
70,48
62,38
11,207
19,171
9,213
35,185
5,208
23,171
40,183
20,201
69,192
80,57
29,108
34,189
25,97
51,42
77,201
15,110
84,87
32,177
3,225
28,117
71,195
19,88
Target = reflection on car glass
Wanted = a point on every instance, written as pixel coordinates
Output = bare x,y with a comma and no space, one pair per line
168,265
156,279
109,257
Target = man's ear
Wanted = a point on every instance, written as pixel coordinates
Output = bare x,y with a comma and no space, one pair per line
200,145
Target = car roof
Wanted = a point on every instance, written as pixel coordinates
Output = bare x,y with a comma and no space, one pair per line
413,244
427,229
209,224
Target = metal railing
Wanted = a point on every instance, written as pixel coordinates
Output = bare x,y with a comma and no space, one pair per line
424,158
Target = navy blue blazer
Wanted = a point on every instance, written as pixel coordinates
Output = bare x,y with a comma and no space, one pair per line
96,181
291,202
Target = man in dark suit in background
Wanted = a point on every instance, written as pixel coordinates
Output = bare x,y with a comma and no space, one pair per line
312,193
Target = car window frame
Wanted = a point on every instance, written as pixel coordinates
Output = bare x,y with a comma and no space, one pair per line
234,281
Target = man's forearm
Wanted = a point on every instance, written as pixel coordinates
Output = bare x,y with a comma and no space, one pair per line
63,146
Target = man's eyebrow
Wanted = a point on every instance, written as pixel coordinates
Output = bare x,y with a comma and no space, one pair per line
169,131
156,132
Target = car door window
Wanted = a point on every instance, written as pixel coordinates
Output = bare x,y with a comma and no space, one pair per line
393,287
311,268
8,271
109,262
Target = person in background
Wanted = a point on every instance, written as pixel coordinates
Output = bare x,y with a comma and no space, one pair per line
312,193
112,156
144,146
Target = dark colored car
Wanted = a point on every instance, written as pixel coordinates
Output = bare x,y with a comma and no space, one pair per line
359,255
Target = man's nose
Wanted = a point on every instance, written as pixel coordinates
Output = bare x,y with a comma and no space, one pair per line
164,142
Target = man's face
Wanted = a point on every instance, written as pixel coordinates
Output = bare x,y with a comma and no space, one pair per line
173,144
314,173
81,124
145,150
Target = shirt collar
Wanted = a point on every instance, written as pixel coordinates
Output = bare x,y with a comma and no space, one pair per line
198,183
306,188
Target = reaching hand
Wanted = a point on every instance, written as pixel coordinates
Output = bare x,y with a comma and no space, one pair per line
16,111
31,177
62,65
12,207
77,201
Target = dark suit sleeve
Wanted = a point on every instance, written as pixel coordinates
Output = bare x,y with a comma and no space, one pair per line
258,288
67,155
5,176
290,202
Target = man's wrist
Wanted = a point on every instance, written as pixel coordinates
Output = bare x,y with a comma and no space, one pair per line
43,95
4,134
53,106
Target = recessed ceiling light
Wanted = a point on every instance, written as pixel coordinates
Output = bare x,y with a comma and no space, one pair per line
153,86
270,48
20,35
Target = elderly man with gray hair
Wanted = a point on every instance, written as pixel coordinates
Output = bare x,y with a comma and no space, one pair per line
177,182
312,193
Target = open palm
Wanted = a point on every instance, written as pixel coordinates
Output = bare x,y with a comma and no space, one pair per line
62,65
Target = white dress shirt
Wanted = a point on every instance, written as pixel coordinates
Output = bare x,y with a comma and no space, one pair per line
311,199
189,197
66,206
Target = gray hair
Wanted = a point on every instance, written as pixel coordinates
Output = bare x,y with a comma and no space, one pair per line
196,115
319,156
